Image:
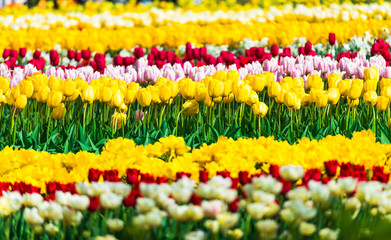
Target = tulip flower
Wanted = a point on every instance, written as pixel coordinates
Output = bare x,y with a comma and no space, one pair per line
190,107
58,112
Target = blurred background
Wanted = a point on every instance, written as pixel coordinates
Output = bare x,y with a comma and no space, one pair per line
262,3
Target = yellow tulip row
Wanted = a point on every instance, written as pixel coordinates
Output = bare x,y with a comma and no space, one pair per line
170,155
281,32
206,5
223,86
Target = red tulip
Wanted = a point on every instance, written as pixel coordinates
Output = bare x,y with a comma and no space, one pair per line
93,175
195,199
37,54
331,167
274,50
203,176
332,39
138,52
6,53
71,54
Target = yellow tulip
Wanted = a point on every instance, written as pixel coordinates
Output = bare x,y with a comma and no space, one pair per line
333,96
21,101
306,101
4,84
59,112
117,99
370,85
321,99
69,87
88,95
333,79
26,88
215,88
258,83
54,99
253,98
242,93
371,73
383,103
291,100
164,94
106,94
42,95
54,83
144,97
118,120
200,92
191,107
355,91
274,89
370,98
188,90
260,109
130,96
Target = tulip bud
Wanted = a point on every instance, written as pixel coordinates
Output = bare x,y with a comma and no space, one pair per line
383,103
88,95
54,83
86,54
355,91
215,88
22,52
54,99
258,83
78,56
190,107
200,92
117,99
138,52
144,97
260,109
6,53
274,50
333,96
53,55
291,100
117,120
71,54
332,39
26,88
69,87
370,98
118,60
37,54
371,73
106,95
21,102
164,94
188,90
42,95
321,99
274,89
59,112
242,93
333,79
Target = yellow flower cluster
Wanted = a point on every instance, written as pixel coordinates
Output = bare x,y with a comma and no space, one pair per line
223,86
171,155
282,32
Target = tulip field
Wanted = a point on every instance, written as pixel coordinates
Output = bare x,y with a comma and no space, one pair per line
204,120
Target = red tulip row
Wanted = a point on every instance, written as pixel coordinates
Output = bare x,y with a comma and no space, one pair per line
134,177
196,56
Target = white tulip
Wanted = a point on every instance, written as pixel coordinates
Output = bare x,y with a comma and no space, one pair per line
32,217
